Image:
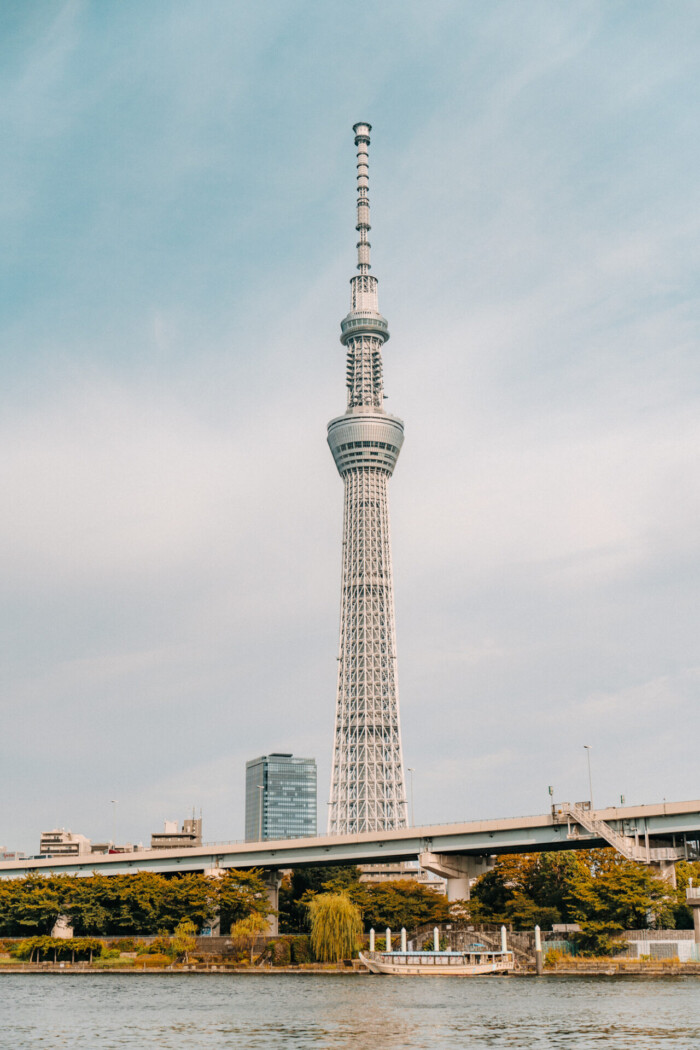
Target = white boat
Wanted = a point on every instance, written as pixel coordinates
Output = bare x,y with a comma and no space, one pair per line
468,963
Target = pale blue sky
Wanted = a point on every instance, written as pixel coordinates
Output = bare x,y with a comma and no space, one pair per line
178,225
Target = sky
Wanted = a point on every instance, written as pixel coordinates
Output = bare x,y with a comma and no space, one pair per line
178,222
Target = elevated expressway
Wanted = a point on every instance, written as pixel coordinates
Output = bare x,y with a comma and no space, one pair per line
658,834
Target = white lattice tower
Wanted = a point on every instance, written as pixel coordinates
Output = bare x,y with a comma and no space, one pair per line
367,779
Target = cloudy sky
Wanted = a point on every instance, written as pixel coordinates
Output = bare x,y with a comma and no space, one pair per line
178,223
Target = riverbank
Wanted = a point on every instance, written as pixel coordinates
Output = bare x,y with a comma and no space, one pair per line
581,968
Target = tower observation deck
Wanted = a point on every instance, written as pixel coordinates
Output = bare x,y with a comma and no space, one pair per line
367,779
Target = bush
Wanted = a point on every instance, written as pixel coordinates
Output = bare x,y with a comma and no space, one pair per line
160,945
109,953
300,948
21,949
114,964
280,953
151,962
125,944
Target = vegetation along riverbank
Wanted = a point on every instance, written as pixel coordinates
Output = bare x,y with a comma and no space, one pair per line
145,922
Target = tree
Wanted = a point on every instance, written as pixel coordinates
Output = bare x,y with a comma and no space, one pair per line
685,871
302,883
246,931
184,939
400,902
240,894
35,903
599,890
608,894
497,888
336,926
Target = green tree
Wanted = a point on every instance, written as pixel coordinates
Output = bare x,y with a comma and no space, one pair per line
400,902
598,889
82,902
336,926
494,891
608,894
302,883
36,903
240,894
685,871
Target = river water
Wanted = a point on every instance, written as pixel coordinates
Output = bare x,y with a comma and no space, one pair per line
296,1012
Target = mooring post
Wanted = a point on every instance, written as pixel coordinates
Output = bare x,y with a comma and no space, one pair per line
371,939
538,952
504,940
403,938
436,940
388,939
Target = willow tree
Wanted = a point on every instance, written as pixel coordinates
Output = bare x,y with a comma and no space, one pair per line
336,926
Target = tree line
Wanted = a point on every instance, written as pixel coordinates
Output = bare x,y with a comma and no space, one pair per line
597,890
141,902
394,903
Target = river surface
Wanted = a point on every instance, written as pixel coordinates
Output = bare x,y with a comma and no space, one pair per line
110,1012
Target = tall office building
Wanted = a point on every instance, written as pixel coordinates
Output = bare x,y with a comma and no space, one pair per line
280,797
367,779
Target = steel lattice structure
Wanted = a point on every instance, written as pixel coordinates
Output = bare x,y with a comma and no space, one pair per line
367,780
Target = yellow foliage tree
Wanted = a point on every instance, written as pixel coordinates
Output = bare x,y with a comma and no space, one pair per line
336,926
246,931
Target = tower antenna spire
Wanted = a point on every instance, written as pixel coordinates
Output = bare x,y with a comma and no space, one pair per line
363,224
367,779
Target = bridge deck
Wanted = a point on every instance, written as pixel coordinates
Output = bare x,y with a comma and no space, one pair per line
667,822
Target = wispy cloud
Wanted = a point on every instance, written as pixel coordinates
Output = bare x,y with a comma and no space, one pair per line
179,214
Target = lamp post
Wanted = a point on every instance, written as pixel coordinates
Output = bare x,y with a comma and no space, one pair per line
587,748
413,822
114,820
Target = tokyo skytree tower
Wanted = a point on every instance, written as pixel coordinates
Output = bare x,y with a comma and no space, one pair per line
367,779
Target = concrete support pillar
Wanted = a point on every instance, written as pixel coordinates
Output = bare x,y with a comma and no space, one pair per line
63,927
692,899
460,871
273,881
215,873
665,869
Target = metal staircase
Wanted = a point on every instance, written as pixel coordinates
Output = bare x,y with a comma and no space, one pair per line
624,844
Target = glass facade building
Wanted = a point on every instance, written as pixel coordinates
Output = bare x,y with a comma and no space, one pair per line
280,797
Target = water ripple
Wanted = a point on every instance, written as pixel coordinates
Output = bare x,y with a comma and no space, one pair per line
275,1012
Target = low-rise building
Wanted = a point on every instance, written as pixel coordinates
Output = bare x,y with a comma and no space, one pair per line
11,854
400,870
62,843
171,838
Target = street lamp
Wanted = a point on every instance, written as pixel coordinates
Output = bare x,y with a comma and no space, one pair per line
590,782
114,821
413,821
